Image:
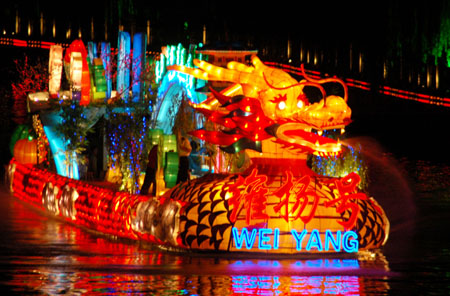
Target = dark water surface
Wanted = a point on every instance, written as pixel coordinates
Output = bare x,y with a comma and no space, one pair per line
40,255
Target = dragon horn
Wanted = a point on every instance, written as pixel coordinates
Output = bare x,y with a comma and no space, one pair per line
225,74
257,62
220,97
326,80
197,73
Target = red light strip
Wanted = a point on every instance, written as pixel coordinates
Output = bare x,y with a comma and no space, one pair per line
29,43
21,43
46,45
96,208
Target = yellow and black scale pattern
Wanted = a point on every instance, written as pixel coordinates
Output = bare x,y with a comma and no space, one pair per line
205,219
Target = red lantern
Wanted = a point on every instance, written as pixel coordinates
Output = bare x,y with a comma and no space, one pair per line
25,152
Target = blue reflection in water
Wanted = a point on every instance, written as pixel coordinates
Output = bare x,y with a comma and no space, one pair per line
256,285
299,265
328,263
337,285
304,284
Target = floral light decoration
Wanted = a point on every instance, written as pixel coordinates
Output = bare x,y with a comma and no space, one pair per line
42,141
32,77
129,119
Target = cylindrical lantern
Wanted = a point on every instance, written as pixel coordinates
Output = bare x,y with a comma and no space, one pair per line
155,136
25,151
171,169
169,144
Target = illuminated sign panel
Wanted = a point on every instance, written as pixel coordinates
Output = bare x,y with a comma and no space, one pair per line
323,242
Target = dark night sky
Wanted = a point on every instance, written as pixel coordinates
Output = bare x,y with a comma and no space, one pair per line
345,19
307,19
370,24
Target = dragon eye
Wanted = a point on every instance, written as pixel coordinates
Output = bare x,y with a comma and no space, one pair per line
300,104
282,105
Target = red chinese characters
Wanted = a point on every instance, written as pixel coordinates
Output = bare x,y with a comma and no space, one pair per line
347,197
252,197
298,198
298,190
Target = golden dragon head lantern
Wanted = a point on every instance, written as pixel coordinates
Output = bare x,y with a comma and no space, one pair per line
267,103
268,113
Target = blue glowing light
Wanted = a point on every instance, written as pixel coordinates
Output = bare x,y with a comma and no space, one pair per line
350,245
264,239
268,239
330,239
123,65
298,238
58,147
106,59
314,241
139,49
239,240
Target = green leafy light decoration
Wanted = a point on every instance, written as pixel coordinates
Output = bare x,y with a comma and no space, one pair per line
74,127
351,160
441,42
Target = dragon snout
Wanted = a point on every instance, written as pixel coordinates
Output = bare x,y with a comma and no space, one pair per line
330,113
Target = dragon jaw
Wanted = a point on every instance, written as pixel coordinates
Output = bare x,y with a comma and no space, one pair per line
300,136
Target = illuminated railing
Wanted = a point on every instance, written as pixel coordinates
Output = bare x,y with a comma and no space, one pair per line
44,44
28,43
383,89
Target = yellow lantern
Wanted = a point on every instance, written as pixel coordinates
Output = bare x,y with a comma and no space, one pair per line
55,69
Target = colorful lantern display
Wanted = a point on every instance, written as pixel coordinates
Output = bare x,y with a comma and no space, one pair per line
275,205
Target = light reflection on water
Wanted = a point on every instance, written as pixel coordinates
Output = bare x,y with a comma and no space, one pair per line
52,281
43,256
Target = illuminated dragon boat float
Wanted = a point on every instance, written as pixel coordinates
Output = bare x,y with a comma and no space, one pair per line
273,205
